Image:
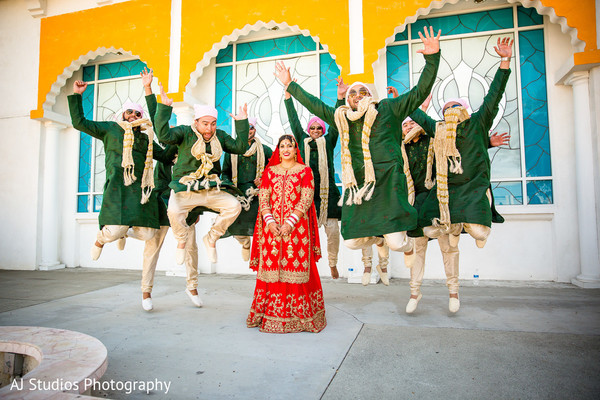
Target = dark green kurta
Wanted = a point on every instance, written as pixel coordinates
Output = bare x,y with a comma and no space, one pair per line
417,161
331,138
184,138
468,200
120,203
246,173
388,210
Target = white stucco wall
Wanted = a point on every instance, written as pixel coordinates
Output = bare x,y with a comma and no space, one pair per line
21,137
538,243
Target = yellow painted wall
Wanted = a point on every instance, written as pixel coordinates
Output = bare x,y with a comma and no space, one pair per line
143,27
205,23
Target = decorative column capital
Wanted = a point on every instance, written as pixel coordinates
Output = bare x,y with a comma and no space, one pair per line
184,112
577,78
54,125
37,8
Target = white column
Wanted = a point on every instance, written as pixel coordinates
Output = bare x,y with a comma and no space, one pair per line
184,112
175,46
586,200
356,38
50,205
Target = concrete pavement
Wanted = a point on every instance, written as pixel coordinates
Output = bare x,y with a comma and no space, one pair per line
509,340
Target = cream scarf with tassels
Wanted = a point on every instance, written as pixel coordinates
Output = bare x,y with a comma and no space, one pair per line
410,136
202,176
444,146
127,159
367,108
323,173
255,148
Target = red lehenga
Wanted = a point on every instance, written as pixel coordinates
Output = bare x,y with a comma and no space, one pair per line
288,295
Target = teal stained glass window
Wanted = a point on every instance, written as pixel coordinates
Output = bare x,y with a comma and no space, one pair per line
529,16
225,55
255,85
535,103
89,73
466,23
401,36
97,202
539,192
275,47
223,100
398,70
517,182
120,69
329,71
82,203
507,193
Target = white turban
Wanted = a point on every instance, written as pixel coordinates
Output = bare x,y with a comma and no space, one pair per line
128,105
252,121
459,100
205,111
370,88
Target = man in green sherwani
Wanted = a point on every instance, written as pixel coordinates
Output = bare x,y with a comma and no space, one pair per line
246,172
375,201
152,247
462,198
317,148
196,174
128,144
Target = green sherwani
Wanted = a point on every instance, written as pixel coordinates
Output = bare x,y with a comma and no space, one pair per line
417,161
184,138
246,173
468,200
331,138
388,210
120,204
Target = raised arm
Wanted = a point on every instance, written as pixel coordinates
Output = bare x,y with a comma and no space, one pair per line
165,133
239,145
313,104
92,128
425,121
147,78
405,104
293,118
488,110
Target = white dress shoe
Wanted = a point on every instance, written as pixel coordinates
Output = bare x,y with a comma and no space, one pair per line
383,275
366,278
121,243
454,305
412,304
95,252
179,255
194,298
147,304
246,253
210,251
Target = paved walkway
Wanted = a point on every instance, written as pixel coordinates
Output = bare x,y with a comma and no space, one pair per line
508,341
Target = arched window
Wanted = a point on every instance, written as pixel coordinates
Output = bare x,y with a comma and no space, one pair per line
521,173
244,74
110,84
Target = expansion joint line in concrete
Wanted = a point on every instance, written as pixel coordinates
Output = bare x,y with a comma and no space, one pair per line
343,359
